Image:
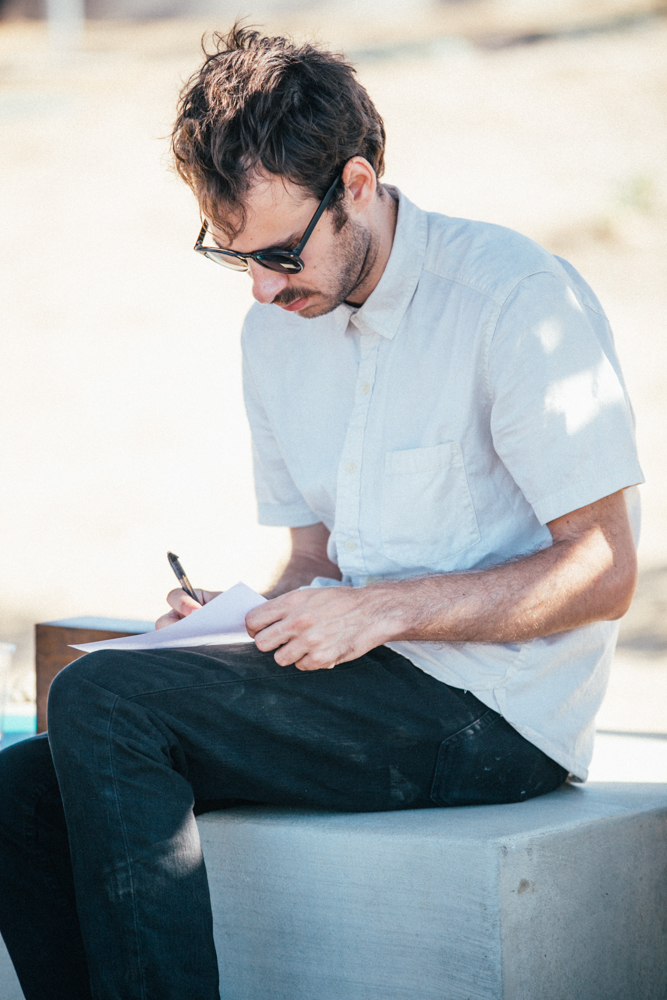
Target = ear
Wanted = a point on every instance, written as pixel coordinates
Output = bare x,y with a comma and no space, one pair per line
360,183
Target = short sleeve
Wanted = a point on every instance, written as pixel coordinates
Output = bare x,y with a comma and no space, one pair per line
279,502
561,419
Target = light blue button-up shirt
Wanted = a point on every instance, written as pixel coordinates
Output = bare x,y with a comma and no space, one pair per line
475,396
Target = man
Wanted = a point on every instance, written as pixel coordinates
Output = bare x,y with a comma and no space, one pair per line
449,441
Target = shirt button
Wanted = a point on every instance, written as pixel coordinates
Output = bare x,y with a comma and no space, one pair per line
370,579
351,467
350,546
365,388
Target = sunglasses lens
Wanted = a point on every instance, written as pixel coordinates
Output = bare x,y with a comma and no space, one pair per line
281,262
227,260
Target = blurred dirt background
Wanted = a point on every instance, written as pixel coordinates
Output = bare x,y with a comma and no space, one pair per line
123,427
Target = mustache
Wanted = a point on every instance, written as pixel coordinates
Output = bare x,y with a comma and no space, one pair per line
290,295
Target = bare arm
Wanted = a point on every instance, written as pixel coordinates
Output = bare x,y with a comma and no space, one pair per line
307,560
588,574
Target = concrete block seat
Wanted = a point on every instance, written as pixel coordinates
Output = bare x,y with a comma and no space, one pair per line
561,897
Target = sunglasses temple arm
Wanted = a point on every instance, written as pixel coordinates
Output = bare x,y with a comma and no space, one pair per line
202,234
316,218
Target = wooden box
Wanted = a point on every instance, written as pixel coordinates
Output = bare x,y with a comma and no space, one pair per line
53,650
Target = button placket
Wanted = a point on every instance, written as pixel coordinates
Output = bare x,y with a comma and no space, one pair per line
348,486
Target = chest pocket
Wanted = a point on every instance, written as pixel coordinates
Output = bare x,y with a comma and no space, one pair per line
427,513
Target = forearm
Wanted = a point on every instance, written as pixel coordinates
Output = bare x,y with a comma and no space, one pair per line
544,593
307,560
300,571
587,575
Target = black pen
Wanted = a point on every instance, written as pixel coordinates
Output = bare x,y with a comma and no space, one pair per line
181,577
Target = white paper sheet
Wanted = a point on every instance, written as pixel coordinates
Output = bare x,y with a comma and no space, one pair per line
220,622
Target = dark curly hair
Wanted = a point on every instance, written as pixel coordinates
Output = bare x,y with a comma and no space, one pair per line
260,103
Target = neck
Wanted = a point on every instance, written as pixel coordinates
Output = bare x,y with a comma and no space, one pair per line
383,226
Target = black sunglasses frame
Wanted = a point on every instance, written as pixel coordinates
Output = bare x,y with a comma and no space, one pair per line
283,261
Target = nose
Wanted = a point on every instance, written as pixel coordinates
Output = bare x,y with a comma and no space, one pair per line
266,284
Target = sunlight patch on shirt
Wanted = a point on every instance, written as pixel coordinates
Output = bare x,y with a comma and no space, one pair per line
550,332
582,397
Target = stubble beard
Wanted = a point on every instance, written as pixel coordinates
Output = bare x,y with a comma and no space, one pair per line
355,254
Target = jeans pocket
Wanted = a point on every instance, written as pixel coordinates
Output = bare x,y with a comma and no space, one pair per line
489,763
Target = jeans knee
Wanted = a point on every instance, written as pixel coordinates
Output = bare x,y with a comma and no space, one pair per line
74,689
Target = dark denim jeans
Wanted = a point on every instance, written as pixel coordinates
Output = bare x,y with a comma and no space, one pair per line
103,890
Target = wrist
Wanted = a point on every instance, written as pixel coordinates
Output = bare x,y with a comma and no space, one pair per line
391,610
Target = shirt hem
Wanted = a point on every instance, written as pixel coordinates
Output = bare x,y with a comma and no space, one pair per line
577,773
489,697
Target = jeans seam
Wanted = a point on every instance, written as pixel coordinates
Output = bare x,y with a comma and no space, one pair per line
142,984
451,741
236,680
461,732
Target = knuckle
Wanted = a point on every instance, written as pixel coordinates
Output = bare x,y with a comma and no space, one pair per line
302,622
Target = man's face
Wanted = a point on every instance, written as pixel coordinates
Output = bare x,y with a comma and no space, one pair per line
277,215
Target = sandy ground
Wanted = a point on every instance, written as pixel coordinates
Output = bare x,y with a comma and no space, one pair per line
124,433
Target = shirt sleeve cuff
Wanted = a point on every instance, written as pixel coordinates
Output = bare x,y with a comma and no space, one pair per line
580,494
293,515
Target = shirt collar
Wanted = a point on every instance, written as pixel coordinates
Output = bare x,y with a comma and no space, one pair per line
385,307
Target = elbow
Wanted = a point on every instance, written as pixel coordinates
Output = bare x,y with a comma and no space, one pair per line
621,586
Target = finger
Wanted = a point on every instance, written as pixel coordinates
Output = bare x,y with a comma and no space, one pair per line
307,663
263,616
290,652
181,602
273,636
167,619
285,608
304,657
204,596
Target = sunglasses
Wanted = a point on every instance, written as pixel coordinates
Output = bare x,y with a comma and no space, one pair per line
284,261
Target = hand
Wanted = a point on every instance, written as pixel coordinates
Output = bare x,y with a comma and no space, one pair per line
182,605
316,629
